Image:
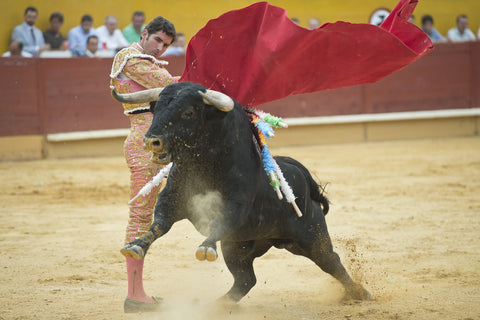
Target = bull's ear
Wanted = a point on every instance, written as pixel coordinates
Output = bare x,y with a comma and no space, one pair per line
152,106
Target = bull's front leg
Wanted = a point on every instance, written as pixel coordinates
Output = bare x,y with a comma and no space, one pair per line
138,248
208,249
234,216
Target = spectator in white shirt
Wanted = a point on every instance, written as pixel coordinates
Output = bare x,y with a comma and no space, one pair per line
111,38
92,46
461,32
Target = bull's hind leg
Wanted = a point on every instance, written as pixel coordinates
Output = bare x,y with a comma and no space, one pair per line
321,252
239,258
323,255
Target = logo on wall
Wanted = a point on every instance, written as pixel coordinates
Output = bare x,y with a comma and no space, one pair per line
378,16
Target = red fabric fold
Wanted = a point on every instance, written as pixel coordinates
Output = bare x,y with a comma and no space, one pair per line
257,54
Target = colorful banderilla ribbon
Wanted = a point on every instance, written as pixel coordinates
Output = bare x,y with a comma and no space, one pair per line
263,123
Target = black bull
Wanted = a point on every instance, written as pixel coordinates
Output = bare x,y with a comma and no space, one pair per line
217,163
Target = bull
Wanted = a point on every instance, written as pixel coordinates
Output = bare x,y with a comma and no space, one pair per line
209,138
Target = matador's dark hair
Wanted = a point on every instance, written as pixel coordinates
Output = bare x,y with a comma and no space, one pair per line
162,24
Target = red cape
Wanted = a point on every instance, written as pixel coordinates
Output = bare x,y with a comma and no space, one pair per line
257,54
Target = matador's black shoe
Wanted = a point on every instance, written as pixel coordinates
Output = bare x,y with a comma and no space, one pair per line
132,306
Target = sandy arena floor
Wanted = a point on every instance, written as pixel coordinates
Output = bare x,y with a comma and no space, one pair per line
405,219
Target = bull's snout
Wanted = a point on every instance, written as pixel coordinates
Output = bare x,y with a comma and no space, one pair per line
153,144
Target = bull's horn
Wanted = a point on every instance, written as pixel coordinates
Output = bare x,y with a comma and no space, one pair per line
138,97
220,100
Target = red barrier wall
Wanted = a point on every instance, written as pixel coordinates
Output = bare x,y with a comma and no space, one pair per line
41,96
447,78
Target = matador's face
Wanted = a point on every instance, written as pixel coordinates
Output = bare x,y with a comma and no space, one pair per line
156,43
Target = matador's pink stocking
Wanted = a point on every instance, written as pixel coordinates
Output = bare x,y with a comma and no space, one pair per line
135,281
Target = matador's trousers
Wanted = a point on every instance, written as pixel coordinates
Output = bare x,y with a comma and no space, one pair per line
142,170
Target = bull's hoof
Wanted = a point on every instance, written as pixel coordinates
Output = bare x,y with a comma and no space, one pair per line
358,292
211,254
204,253
201,253
133,251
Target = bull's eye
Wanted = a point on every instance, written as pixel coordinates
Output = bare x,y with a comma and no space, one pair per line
187,114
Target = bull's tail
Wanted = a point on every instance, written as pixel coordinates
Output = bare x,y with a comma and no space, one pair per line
316,190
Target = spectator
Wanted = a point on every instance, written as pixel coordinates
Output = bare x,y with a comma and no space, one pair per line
30,36
461,32
177,48
427,27
92,46
133,31
16,50
77,37
110,37
52,36
313,23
